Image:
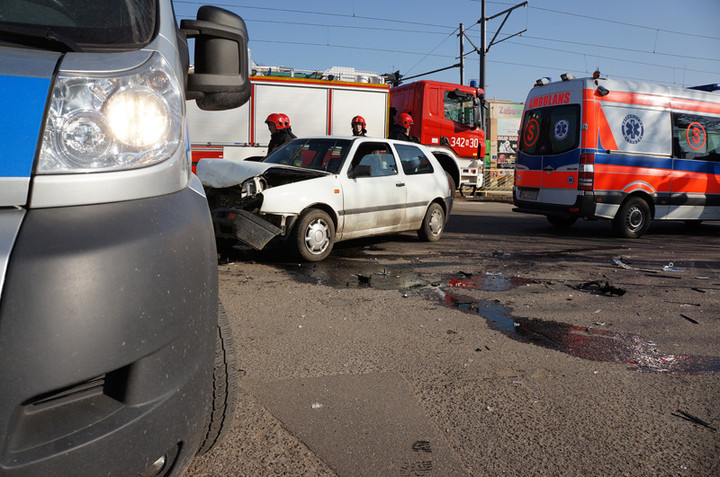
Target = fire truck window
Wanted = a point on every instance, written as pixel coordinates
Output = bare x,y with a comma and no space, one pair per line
696,137
458,110
413,160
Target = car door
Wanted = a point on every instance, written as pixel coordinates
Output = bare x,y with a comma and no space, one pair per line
420,181
374,192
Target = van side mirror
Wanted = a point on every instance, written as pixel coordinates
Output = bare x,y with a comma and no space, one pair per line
220,80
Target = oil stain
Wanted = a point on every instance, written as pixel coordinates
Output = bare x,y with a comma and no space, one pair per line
582,342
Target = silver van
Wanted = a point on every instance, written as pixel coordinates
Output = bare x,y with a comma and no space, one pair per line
108,268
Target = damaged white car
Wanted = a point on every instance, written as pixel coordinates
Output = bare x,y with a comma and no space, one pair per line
314,192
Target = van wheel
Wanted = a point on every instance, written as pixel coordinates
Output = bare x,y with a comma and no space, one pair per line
561,222
433,224
314,235
225,387
633,218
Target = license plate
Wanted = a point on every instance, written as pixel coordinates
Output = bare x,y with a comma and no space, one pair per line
528,194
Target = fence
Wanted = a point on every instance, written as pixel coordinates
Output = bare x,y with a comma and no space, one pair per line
496,183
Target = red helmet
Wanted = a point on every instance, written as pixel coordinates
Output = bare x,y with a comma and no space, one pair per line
404,120
276,119
358,120
285,120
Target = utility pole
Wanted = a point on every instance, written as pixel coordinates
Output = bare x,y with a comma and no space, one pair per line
462,54
482,51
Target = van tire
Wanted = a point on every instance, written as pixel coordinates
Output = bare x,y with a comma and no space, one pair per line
225,387
314,235
433,225
633,218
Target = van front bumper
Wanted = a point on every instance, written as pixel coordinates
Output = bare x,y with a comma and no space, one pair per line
107,335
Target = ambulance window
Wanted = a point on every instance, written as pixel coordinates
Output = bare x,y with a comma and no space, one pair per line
551,130
696,137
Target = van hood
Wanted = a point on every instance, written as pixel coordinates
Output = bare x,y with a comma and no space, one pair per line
25,83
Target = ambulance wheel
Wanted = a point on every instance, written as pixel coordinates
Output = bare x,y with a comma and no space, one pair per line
633,218
433,224
314,235
561,222
225,387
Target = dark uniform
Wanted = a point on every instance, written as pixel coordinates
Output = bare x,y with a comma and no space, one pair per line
398,132
279,138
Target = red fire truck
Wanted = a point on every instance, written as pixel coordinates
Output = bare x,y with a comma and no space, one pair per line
446,116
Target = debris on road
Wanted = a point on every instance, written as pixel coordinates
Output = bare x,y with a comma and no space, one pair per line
689,417
602,287
689,319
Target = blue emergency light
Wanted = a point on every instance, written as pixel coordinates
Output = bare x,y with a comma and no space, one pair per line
707,87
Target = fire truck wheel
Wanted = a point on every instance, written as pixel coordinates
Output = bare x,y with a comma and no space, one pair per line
221,412
561,222
314,235
433,224
633,218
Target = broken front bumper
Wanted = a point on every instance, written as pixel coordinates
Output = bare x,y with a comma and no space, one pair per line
251,229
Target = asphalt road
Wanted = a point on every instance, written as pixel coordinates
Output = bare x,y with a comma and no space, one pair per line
509,347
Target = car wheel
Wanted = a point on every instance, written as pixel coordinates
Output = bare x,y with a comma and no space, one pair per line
225,387
433,224
633,218
561,222
314,235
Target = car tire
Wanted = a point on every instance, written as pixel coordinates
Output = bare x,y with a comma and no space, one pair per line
633,218
561,222
225,387
433,224
314,235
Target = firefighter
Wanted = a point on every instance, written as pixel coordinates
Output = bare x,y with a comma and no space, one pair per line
358,126
286,123
401,128
279,135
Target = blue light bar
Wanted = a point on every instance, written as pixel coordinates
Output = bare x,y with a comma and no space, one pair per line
707,87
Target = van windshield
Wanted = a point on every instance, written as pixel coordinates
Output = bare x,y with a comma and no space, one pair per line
77,25
551,130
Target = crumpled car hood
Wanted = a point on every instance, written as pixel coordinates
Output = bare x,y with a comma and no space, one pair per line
220,173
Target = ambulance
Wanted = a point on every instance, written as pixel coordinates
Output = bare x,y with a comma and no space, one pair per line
114,359
629,152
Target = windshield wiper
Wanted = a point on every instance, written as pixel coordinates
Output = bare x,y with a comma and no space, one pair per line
39,36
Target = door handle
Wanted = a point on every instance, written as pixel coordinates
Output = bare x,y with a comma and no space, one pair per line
399,184
548,168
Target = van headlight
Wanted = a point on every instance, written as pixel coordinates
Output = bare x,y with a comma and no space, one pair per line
132,119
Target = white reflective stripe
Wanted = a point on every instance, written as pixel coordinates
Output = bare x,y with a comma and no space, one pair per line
10,221
13,190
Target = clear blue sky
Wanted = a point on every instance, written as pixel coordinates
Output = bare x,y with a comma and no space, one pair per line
674,42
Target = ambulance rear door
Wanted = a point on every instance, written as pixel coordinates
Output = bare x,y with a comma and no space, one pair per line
549,152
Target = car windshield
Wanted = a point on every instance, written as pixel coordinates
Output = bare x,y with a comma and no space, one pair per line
76,25
325,154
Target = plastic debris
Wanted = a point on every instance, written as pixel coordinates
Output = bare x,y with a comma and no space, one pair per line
670,267
602,287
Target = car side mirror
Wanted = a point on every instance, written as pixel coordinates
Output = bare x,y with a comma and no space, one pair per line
360,171
220,80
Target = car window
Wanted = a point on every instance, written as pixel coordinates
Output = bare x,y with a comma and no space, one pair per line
376,157
323,154
413,160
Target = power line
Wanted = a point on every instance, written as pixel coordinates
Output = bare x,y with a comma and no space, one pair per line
306,12
588,17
